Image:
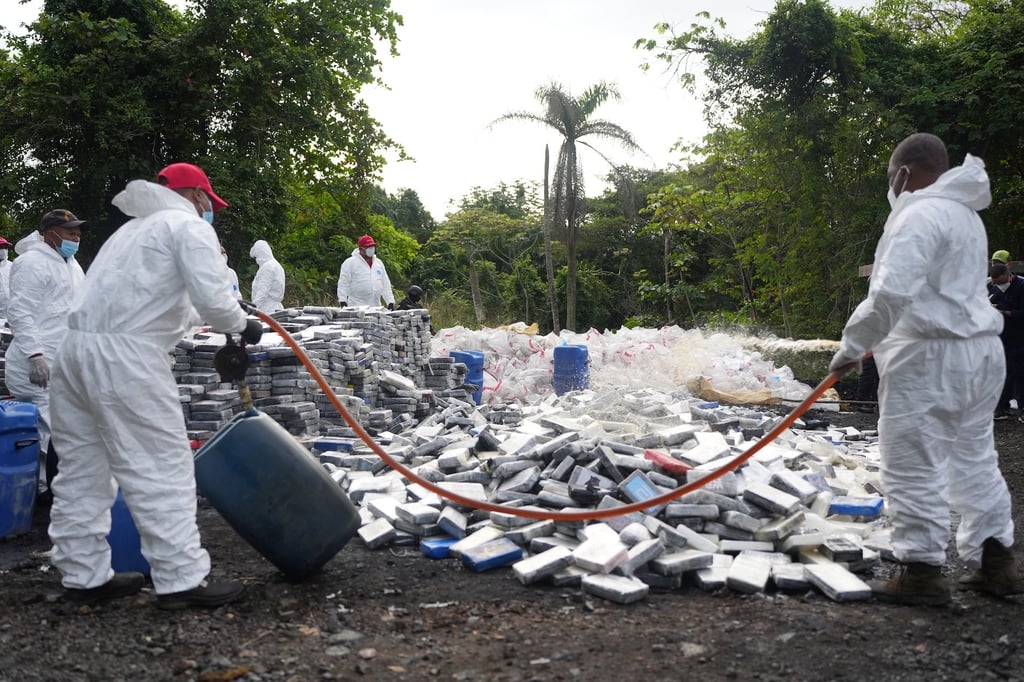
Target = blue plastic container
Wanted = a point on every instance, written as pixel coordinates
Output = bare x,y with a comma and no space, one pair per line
124,540
275,494
474,361
19,466
572,369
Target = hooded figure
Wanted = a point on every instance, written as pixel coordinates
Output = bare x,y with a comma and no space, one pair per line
363,279
935,339
268,284
44,285
5,277
116,400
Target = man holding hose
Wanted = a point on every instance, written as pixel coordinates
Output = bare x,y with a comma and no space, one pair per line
935,339
115,401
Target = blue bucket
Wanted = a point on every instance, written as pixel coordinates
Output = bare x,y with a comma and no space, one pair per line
275,494
19,466
125,543
474,361
572,369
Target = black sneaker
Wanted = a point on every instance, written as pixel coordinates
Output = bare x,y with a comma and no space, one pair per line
206,595
121,585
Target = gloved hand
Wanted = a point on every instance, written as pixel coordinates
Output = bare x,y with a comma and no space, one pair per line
253,331
343,304
247,306
391,306
38,371
845,364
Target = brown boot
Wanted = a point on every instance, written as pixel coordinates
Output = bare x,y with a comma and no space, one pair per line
998,573
916,584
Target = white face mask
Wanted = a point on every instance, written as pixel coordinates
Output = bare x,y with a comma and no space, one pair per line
370,251
1003,287
891,194
3,254
225,257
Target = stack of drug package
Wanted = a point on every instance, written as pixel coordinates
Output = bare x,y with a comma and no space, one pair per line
410,344
5,340
206,402
447,378
291,402
804,513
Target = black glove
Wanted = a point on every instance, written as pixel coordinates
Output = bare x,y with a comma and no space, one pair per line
246,306
391,306
342,304
253,331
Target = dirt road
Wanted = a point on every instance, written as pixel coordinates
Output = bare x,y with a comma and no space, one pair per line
394,615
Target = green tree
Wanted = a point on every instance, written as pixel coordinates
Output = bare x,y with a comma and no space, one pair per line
264,94
573,118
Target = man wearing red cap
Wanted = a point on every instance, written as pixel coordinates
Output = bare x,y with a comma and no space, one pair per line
5,277
363,279
115,400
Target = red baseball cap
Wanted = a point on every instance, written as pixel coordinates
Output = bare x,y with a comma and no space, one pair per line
186,175
4,244
366,240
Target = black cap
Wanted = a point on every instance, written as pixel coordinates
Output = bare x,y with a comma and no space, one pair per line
61,217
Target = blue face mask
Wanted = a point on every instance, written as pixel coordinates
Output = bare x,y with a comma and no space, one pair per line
208,216
67,248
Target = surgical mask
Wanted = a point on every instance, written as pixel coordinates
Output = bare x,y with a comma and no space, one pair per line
225,257
891,194
67,248
370,251
3,254
208,216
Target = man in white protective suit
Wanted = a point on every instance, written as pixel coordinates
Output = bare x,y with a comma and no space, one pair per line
363,279
268,284
935,339
115,400
45,281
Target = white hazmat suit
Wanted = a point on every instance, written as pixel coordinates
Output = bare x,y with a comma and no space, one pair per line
268,284
116,401
936,342
362,283
5,283
44,287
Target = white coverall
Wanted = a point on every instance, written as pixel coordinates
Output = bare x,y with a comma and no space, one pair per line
362,283
935,339
233,281
115,399
44,287
5,284
268,284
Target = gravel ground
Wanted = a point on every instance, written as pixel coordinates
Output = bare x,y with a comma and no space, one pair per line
394,615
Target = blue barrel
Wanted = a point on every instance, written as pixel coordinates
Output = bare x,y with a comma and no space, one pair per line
275,494
124,540
474,361
572,369
19,466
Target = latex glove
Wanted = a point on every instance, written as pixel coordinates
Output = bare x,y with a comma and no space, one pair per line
38,371
844,363
253,331
391,306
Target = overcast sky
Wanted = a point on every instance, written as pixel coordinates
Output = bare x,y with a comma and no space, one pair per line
464,63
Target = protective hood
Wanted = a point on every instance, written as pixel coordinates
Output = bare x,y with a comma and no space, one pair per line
967,184
32,241
142,198
261,252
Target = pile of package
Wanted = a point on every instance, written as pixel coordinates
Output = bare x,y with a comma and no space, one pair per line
805,512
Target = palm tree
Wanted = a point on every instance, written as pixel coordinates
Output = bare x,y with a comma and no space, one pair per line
571,117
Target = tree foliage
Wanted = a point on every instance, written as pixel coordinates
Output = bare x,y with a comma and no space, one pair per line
264,94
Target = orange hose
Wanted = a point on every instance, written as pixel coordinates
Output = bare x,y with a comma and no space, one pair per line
590,515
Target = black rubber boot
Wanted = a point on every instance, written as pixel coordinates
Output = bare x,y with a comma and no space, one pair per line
121,585
998,574
915,583
206,595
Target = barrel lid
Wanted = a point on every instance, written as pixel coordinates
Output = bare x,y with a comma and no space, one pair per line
15,414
